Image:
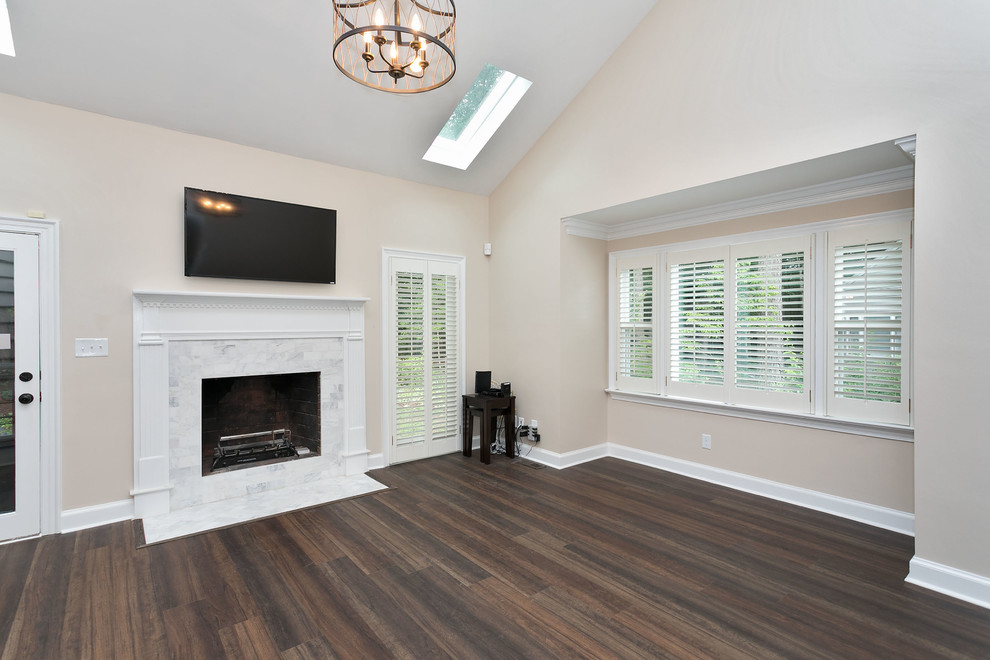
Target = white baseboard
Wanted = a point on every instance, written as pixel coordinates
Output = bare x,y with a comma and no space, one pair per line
94,516
376,461
878,516
969,587
871,514
567,459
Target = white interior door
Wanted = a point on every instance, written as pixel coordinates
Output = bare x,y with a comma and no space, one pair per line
20,419
425,356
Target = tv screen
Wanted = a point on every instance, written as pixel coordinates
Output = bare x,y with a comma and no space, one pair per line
258,239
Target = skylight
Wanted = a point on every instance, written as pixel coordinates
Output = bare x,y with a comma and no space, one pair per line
491,98
6,38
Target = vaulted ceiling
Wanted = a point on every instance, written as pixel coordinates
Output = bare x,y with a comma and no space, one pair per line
260,73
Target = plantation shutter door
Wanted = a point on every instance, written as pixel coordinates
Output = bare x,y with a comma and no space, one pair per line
771,328
636,334
409,309
697,333
869,306
426,356
445,399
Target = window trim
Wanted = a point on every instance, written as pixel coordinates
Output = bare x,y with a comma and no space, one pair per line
818,417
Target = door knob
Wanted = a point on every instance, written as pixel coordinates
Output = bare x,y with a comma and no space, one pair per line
26,398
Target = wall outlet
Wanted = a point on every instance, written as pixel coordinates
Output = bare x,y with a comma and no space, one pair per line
520,421
533,424
706,441
92,347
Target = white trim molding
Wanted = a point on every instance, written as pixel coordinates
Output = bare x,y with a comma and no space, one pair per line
870,514
868,429
93,516
867,185
963,585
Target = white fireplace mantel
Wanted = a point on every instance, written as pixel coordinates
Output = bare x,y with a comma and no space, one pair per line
163,317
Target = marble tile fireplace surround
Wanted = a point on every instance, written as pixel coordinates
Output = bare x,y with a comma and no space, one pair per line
182,339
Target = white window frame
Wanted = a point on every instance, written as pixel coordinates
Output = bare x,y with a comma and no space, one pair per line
622,381
814,414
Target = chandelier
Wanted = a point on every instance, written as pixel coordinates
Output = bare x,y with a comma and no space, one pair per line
401,46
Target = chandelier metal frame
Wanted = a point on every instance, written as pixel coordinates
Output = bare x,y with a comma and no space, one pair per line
414,40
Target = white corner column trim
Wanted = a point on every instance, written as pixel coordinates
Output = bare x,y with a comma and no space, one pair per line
356,441
963,585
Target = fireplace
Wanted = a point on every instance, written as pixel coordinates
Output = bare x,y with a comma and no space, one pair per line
200,354
259,420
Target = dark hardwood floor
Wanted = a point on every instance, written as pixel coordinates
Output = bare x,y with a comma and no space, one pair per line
605,560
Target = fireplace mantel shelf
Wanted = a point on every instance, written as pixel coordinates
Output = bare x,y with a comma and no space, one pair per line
244,300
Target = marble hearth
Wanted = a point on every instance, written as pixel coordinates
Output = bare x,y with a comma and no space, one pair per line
183,338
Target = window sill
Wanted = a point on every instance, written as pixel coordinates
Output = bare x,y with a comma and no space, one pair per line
886,431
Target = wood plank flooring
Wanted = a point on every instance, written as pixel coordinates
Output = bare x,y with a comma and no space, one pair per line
459,560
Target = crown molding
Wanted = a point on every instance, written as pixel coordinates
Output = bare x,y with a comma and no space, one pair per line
586,228
876,183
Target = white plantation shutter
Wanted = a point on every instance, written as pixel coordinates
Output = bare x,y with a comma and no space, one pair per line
869,326
635,359
771,329
696,283
425,357
445,400
410,367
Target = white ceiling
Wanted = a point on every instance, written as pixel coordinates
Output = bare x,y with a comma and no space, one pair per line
260,73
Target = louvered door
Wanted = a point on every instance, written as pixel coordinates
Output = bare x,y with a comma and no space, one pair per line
426,363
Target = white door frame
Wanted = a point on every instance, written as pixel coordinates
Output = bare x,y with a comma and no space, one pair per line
387,255
50,380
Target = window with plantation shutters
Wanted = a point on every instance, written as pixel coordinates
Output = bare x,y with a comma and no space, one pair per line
636,368
812,322
696,322
868,328
771,326
425,356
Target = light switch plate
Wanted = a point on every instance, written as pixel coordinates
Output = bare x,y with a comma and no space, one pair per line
92,347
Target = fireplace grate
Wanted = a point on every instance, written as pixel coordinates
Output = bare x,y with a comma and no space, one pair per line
237,450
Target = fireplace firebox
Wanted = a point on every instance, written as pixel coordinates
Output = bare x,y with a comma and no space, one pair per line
259,420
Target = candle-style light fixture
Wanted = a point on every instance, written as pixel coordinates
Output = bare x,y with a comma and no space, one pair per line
400,46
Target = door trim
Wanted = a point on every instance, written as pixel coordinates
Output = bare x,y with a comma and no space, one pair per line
50,488
386,317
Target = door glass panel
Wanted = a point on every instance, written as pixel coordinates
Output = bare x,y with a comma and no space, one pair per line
7,503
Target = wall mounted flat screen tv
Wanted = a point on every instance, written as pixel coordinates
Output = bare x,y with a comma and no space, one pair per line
258,239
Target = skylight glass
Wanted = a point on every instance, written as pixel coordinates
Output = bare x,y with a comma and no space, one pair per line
6,38
484,107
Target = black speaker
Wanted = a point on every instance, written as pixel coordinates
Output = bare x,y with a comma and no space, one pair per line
482,381
506,389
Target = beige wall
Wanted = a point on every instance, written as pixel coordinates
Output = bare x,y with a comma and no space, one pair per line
740,86
116,188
